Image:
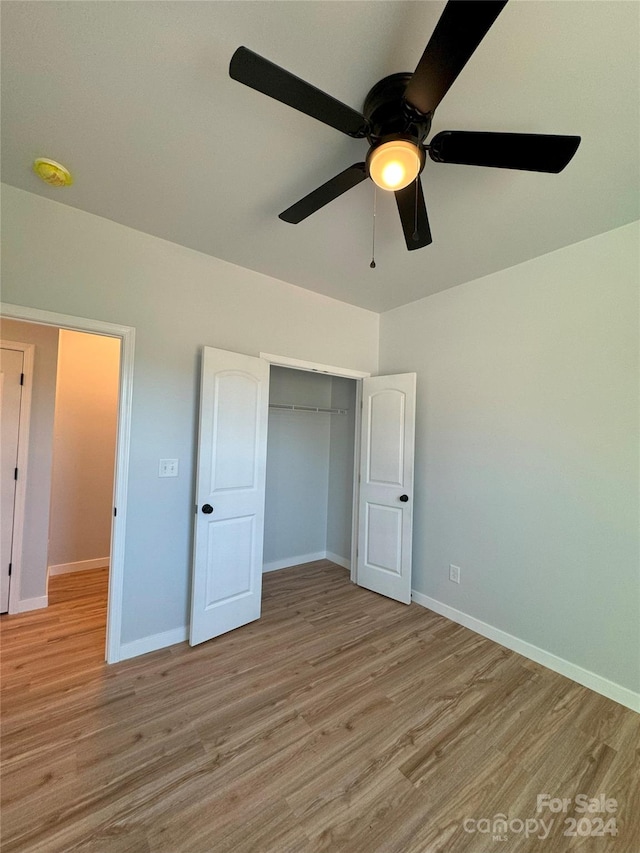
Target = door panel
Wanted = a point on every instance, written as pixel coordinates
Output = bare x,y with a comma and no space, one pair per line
383,537
386,485
235,430
385,437
229,551
232,450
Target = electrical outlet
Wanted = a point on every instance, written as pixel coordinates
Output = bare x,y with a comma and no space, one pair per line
168,468
454,573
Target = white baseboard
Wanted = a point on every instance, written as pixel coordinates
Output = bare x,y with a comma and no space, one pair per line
25,604
287,563
340,561
589,679
293,561
79,566
153,643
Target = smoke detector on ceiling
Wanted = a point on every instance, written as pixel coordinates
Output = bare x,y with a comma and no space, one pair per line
52,173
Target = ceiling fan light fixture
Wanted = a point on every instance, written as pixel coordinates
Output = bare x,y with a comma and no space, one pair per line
394,164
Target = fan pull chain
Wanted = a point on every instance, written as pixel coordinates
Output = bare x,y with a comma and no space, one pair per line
416,235
373,238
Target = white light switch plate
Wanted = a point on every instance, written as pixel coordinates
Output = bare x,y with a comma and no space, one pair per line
168,468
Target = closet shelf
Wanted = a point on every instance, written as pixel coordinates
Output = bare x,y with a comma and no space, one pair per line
289,407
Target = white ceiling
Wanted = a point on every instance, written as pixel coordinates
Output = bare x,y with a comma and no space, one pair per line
135,98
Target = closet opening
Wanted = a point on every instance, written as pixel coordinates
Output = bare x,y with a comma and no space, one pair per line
277,484
310,473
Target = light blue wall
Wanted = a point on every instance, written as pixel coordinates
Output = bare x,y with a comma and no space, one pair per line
60,259
527,449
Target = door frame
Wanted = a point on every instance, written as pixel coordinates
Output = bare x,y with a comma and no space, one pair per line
126,334
22,461
346,373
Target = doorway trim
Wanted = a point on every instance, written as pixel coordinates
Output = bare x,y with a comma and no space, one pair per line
126,334
22,463
347,373
313,367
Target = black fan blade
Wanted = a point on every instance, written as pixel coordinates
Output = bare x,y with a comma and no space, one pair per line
534,152
461,28
324,194
260,74
413,215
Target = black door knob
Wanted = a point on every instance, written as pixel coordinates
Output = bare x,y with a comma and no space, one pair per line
207,509
404,498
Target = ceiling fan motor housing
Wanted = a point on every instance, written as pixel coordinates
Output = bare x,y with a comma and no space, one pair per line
390,117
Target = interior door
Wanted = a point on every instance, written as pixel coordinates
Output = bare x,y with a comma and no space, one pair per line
230,492
385,511
10,401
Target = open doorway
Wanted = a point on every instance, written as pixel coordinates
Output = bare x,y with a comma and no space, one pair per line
310,468
82,475
66,467
50,323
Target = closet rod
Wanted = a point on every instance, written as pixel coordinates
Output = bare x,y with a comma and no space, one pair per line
289,407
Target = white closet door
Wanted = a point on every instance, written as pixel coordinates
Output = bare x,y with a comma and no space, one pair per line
230,492
385,514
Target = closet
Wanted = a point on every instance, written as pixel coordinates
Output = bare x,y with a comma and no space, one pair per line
276,480
310,465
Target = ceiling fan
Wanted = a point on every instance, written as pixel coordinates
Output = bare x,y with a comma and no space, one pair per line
396,119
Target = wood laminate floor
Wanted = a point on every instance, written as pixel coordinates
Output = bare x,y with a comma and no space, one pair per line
339,722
